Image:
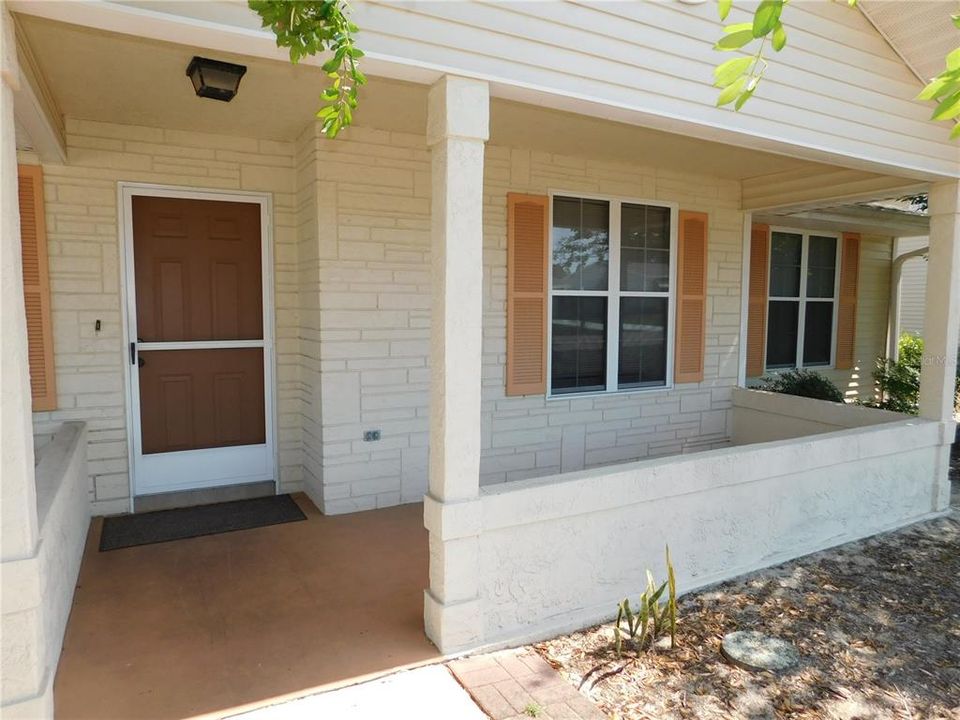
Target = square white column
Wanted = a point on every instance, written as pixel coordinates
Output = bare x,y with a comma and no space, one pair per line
27,689
941,324
457,127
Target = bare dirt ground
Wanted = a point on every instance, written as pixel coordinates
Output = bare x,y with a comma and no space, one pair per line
876,622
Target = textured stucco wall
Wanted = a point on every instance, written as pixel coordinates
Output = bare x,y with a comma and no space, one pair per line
64,506
38,591
559,553
764,416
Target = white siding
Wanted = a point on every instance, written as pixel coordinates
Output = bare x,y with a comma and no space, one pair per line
838,92
913,286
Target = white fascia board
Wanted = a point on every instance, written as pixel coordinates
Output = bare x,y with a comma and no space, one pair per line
46,138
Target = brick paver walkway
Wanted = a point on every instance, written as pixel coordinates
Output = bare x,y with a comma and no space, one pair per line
519,684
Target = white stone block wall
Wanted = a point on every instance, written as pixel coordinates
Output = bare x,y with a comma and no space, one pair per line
532,436
373,198
373,192
85,274
352,288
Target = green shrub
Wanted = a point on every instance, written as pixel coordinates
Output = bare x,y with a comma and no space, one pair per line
805,383
898,382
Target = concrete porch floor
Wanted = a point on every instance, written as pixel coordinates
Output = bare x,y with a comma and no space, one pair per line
210,626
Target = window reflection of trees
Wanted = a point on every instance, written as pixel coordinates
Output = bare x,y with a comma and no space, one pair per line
581,244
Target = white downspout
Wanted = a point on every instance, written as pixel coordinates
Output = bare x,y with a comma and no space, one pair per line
893,311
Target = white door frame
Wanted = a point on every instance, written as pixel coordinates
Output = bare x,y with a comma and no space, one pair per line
270,470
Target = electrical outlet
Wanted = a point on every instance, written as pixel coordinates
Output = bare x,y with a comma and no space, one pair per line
371,435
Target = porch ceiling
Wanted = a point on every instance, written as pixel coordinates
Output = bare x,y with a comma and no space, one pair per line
112,77
856,217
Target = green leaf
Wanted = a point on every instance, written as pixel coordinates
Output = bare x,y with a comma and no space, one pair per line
731,91
728,72
938,86
766,17
956,20
949,108
737,27
955,133
734,41
723,7
779,37
746,95
953,60
331,65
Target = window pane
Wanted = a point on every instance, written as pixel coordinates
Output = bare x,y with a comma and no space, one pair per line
821,266
817,333
785,250
645,253
643,342
782,333
581,243
579,353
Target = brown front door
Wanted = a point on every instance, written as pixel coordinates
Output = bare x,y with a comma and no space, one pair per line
199,349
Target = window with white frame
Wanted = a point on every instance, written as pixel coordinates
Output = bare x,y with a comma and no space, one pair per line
611,296
801,314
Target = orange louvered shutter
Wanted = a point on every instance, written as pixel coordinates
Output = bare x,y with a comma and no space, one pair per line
527,253
36,287
757,299
691,297
847,306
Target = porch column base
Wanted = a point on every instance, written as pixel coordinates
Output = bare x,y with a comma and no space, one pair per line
452,626
38,706
941,481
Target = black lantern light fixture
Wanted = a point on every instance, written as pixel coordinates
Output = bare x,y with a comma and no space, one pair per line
215,79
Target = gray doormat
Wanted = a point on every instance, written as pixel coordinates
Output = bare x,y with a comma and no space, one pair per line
124,531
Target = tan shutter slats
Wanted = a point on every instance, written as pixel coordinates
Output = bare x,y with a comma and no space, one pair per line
847,307
691,297
36,287
757,299
527,253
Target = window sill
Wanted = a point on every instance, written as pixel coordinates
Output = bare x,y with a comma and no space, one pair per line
612,394
779,370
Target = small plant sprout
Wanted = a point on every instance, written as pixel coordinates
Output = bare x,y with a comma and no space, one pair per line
533,710
643,626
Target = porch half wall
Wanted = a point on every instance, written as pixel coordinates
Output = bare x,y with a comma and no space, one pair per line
559,553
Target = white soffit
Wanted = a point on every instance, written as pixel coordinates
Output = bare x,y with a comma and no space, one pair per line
920,31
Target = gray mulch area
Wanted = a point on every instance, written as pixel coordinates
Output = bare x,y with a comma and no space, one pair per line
876,622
